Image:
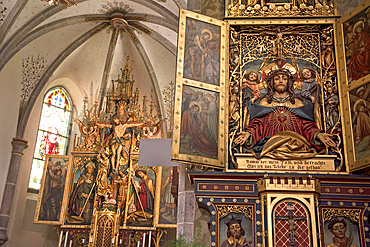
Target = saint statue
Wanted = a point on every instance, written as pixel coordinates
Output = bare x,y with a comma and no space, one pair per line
279,125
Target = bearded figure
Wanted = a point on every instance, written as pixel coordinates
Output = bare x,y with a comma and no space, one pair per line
280,126
235,232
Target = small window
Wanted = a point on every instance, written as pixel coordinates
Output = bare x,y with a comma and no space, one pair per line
53,132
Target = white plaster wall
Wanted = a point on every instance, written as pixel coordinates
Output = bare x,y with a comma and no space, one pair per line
10,78
21,223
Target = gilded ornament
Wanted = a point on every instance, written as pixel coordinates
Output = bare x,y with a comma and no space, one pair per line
352,214
247,211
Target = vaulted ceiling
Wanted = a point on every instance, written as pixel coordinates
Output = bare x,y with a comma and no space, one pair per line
89,43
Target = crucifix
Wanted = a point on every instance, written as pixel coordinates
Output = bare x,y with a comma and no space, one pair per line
278,49
291,220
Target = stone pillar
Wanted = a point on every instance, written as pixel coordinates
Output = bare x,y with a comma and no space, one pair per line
18,146
185,206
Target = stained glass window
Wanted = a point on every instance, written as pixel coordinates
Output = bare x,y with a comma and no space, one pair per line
52,136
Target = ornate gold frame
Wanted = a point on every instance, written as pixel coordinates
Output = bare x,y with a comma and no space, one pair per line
353,214
75,164
65,195
348,137
158,171
157,203
296,21
236,8
222,89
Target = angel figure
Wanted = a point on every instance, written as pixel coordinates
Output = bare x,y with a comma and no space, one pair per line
89,133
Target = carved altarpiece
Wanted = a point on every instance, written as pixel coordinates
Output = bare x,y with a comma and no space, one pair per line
289,192
111,200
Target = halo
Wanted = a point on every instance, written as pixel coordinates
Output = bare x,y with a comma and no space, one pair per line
195,103
356,25
360,89
209,33
358,102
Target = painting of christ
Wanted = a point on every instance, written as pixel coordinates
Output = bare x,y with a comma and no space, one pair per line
199,122
202,52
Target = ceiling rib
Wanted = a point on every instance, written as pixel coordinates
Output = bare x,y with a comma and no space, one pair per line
107,68
50,70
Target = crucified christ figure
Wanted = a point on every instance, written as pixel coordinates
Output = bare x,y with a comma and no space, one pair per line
116,144
278,49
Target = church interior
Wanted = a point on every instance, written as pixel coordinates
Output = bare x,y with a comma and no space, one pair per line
263,106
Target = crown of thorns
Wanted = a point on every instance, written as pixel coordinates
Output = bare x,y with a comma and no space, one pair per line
275,72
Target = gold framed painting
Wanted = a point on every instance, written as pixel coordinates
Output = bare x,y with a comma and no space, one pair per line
53,194
142,196
349,219
79,213
354,59
167,213
200,133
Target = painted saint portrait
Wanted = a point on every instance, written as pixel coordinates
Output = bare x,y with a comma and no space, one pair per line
236,230
360,112
357,45
140,206
52,189
199,122
202,52
168,208
341,231
81,202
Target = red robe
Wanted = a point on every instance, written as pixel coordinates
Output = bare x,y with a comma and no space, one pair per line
281,119
359,63
191,125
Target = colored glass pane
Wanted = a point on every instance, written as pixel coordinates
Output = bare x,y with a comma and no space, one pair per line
54,120
49,143
52,136
58,97
36,174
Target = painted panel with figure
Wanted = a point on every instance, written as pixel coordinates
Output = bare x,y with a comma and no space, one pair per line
141,205
53,191
167,206
356,31
82,193
360,115
199,122
202,52
236,229
200,112
343,226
